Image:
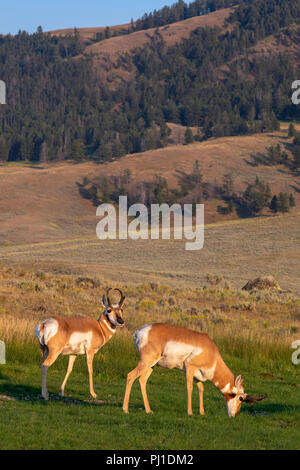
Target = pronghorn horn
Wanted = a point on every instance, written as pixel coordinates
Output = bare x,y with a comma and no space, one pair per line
108,300
104,301
251,400
122,297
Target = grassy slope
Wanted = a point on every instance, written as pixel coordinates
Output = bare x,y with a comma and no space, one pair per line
28,423
106,53
172,34
42,203
44,206
253,332
238,250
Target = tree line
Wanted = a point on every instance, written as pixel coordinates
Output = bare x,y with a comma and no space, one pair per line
179,11
58,108
192,189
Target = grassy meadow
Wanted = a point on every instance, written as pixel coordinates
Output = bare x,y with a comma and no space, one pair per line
51,263
254,332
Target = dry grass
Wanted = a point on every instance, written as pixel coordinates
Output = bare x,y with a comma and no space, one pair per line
26,297
171,34
87,34
42,203
106,53
238,250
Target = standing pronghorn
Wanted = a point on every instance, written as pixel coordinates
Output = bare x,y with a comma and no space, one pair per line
192,352
78,335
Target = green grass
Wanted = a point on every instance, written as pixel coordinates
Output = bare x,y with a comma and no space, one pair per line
78,422
253,331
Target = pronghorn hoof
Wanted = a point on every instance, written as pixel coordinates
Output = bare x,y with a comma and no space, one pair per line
149,412
125,411
62,393
94,395
45,397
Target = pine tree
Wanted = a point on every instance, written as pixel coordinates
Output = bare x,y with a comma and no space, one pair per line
274,204
283,203
292,202
297,156
188,136
43,157
78,150
60,154
3,150
227,187
230,206
292,130
256,197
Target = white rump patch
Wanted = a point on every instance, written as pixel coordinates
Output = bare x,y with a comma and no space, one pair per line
141,337
50,330
175,353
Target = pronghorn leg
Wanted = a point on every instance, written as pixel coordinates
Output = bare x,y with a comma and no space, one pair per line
143,382
48,359
89,358
69,370
141,369
201,390
189,371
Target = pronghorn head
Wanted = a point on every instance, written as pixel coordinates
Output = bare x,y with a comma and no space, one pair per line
114,312
235,397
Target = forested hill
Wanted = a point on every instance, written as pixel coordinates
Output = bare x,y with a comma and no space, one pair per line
65,102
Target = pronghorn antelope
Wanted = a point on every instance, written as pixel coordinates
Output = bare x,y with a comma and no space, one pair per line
79,335
192,352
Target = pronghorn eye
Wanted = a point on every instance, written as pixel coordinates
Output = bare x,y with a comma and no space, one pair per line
232,395
241,399
108,310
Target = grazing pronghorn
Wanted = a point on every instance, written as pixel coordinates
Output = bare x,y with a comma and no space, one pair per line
192,352
78,335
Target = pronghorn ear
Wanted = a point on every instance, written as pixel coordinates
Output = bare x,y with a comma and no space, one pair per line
238,381
104,302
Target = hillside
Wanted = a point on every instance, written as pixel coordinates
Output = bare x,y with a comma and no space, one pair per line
172,34
86,34
188,104
225,72
107,54
42,202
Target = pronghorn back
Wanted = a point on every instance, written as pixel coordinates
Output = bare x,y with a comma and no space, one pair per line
172,340
194,353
